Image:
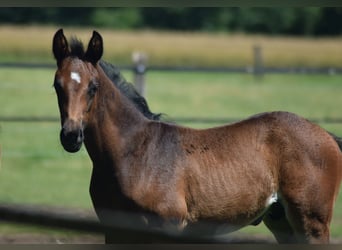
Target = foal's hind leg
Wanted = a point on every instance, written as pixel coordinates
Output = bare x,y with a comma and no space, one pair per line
309,227
310,222
308,207
298,224
276,221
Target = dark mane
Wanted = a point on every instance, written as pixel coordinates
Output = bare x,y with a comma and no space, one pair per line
113,73
128,90
77,48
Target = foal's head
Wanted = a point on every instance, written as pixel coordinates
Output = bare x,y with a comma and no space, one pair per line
76,85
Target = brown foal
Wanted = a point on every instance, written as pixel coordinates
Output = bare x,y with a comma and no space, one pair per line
276,167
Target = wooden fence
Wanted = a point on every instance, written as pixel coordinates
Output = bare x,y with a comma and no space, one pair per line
140,68
125,224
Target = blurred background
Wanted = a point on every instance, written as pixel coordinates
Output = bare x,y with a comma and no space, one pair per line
274,21
205,67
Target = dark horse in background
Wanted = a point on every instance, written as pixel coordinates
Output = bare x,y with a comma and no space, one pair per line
276,167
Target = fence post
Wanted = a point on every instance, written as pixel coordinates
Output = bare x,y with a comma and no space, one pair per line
139,61
258,62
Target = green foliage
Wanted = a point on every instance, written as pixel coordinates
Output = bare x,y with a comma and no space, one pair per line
272,20
295,21
125,18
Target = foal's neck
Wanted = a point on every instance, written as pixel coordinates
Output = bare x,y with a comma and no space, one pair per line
114,119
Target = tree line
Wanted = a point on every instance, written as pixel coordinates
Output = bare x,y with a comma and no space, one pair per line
304,21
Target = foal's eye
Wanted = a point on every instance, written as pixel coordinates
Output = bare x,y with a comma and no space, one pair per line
92,89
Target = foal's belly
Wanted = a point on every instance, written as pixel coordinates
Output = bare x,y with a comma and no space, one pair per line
222,217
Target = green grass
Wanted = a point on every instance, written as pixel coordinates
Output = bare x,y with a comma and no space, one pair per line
233,95
31,152
36,170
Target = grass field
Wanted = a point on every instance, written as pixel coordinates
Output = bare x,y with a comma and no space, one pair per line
32,43
36,170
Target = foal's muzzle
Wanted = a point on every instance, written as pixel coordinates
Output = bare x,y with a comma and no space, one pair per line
71,136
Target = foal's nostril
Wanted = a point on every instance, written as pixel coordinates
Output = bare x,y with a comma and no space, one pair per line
73,136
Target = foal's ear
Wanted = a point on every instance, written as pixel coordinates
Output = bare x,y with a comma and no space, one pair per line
60,46
95,48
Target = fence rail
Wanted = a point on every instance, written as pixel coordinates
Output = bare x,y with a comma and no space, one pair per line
139,67
208,120
125,224
213,120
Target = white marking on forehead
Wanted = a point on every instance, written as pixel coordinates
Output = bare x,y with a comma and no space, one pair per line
75,76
